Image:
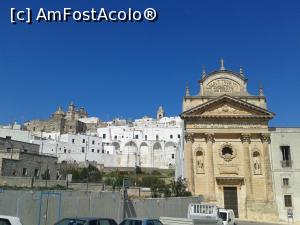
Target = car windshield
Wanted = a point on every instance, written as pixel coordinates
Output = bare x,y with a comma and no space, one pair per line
132,222
223,215
71,222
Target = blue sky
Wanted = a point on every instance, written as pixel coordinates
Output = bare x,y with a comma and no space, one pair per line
129,69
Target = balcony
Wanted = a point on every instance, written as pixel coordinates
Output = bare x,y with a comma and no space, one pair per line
286,163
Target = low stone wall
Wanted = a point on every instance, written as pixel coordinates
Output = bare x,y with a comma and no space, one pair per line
45,208
29,182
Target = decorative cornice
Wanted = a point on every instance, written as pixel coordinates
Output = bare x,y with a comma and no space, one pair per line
189,137
209,137
226,98
265,138
246,138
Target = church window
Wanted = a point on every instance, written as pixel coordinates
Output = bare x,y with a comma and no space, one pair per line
93,142
102,150
178,135
83,140
136,136
171,136
70,127
116,137
104,136
82,149
157,137
227,151
98,151
173,156
146,137
73,140
65,150
93,150
288,201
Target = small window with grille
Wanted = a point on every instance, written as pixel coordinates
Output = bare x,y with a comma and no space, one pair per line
288,201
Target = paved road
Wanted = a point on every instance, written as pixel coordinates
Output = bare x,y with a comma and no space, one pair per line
255,223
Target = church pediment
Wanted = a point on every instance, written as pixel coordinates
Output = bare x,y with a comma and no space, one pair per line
227,106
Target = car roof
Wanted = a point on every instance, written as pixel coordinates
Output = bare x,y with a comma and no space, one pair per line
141,219
12,218
86,218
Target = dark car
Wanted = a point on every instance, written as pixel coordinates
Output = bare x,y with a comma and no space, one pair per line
86,221
141,221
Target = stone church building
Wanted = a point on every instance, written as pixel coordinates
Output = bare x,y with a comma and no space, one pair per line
226,149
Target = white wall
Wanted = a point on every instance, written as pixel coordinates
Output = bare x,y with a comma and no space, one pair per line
286,137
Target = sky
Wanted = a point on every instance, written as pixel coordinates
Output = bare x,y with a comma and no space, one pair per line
129,69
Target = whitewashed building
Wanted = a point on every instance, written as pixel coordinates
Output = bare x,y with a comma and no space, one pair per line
77,148
285,159
146,142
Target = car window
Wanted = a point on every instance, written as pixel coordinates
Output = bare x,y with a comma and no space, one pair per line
4,222
132,222
137,222
157,222
112,222
93,222
149,222
223,215
71,222
104,222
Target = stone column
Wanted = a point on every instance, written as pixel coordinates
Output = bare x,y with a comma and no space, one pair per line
265,139
246,139
188,161
210,167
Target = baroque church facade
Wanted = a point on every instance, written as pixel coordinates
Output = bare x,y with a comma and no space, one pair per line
226,148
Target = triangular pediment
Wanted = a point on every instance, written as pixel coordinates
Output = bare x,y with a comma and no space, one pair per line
227,106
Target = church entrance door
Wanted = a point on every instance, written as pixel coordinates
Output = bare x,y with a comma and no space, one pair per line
231,199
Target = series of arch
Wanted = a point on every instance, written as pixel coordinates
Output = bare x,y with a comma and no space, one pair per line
146,154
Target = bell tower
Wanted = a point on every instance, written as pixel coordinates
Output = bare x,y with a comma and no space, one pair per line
160,113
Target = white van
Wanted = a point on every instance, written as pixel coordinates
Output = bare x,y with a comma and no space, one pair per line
227,216
206,212
9,220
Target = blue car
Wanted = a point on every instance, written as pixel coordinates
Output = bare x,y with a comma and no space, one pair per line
140,221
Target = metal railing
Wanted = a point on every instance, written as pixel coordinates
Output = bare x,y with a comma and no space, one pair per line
286,163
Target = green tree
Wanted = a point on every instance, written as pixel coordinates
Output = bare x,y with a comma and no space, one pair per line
179,188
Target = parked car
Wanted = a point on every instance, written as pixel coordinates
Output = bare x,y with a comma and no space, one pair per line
9,220
227,216
141,221
86,221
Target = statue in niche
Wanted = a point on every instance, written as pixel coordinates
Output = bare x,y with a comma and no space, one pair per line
199,162
256,163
